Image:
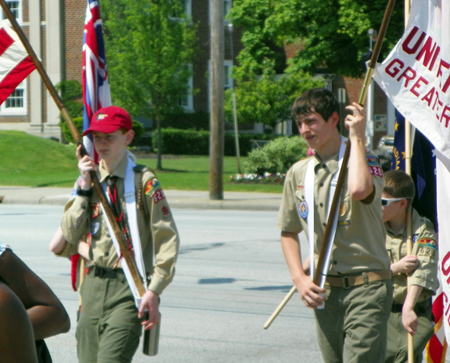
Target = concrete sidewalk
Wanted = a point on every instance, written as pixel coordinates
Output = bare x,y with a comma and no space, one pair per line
177,198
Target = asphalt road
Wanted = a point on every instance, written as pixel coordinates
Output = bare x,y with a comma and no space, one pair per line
231,275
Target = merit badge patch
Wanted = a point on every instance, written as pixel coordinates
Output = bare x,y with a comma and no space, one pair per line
165,211
303,210
158,196
151,186
427,242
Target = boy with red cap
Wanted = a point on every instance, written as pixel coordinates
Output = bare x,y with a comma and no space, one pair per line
110,322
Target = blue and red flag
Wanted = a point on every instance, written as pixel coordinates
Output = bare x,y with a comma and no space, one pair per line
96,92
423,168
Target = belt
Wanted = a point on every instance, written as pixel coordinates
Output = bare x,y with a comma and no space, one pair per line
365,277
105,273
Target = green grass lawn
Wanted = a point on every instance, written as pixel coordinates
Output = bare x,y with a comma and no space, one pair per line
32,161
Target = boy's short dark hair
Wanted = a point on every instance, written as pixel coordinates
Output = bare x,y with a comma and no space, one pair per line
398,184
318,100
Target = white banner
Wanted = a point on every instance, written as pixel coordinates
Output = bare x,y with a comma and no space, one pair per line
443,210
416,75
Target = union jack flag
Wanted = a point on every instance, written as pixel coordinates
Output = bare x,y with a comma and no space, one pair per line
96,92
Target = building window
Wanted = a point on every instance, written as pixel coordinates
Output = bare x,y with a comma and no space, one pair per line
227,7
16,103
16,9
187,101
228,81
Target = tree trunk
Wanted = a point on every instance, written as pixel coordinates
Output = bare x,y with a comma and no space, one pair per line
159,157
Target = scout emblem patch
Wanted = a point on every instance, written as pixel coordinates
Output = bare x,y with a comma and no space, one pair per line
101,116
303,210
158,196
151,186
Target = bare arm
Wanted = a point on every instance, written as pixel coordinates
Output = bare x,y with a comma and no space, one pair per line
409,317
46,313
16,336
309,292
360,183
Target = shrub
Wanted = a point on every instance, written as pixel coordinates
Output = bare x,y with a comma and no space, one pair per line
277,156
192,142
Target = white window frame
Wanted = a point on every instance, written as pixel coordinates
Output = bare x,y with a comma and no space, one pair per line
19,10
16,111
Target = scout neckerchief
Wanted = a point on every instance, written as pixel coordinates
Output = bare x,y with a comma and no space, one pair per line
309,193
130,200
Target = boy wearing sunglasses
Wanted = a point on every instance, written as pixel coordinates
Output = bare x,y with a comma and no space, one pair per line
411,309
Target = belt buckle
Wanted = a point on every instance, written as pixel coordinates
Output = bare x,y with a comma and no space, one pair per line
346,282
98,272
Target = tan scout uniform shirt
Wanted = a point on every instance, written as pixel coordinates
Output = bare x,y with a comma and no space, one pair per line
157,228
360,235
425,248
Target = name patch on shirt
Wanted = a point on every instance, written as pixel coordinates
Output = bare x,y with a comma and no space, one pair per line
151,186
303,210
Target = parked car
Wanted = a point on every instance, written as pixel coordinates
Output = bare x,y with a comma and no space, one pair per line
386,143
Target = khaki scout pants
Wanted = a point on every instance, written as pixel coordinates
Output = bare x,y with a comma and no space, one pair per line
109,329
353,325
397,346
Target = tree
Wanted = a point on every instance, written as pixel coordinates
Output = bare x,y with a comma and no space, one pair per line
332,34
150,45
268,98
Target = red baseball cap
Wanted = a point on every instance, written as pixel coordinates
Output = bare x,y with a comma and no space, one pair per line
109,119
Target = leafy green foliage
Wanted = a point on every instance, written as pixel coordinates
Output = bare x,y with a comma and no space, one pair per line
277,156
196,120
330,34
267,98
72,97
149,47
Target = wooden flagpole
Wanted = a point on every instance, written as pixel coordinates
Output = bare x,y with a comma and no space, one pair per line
126,253
409,246
328,239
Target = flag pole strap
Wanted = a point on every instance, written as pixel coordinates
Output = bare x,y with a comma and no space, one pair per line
327,242
126,253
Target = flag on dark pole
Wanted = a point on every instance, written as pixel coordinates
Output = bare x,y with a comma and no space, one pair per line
96,92
15,64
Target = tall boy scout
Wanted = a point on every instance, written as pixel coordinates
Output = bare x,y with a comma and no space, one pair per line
110,324
351,327
411,308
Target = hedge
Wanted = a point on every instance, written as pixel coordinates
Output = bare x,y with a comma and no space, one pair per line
192,142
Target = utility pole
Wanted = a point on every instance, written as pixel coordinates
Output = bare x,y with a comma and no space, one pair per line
216,143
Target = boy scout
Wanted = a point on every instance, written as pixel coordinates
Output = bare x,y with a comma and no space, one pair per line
351,326
110,323
411,309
